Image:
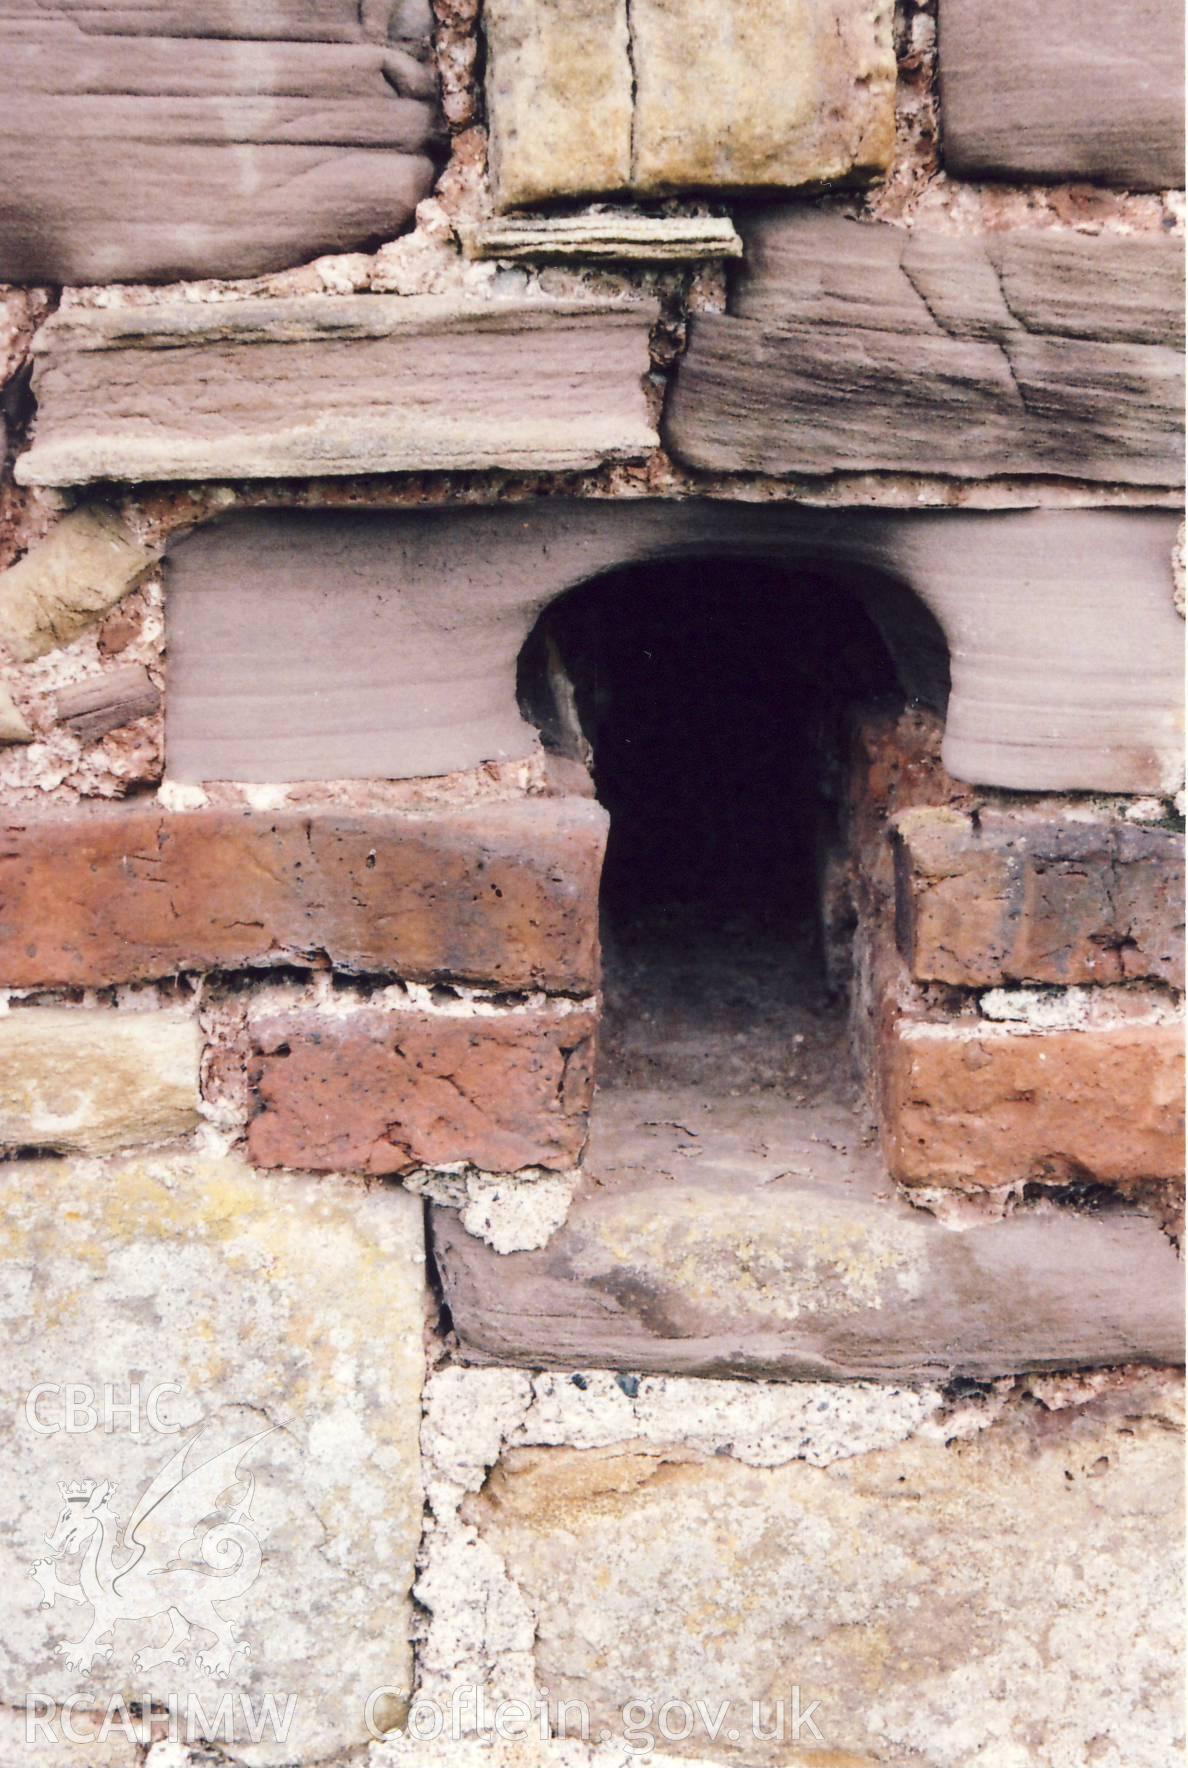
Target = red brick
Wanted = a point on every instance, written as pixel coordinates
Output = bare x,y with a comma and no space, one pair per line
385,1092
502,893
1016,897
975,1106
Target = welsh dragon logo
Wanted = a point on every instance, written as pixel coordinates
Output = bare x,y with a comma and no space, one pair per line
181,1553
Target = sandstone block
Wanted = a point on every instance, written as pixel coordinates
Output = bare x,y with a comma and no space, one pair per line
223,1312
68,581
895,1588
1071,90
360,384
655,96
505,893
1016,897
1049,618
390,1092
707,1257
761,94
220,141
862,347
93,1080
558,97
976,1105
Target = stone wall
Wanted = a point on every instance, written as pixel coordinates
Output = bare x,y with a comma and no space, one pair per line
427,1346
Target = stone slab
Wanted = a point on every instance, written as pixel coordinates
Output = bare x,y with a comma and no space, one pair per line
392,1092
506,893
93,1080
1010,1595
763,96
619,235
185,1292
854,346
1068,90
750,1248
357,384
1020,897
978,1105
657,96
224,141
407,666
88,561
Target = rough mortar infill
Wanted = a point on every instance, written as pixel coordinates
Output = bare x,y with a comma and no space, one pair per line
1027,1012
512,1212
477,1629
1018,1011
338,998
490,782
54,758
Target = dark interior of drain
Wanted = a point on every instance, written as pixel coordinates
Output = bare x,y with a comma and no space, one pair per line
709,699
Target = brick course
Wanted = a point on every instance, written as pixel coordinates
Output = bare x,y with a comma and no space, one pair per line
506,893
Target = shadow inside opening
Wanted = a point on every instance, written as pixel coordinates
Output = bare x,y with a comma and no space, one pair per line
710,700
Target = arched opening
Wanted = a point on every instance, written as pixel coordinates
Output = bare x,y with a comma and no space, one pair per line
710,700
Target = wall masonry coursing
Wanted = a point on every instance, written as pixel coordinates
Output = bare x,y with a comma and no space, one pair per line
808,1329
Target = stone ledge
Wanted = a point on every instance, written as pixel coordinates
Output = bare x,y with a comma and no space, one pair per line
725,1265
348,384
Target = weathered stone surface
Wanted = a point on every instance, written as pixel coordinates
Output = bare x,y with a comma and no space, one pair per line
68,581
1050,618
1007,1596
93,1080
506,893
558,97
762,95
103,703
361,383
972,1105
287,1317
749,1251
94,1743
14,726
222,141
1020,897
607,233
389,1092
656,96
859,346
1068,90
